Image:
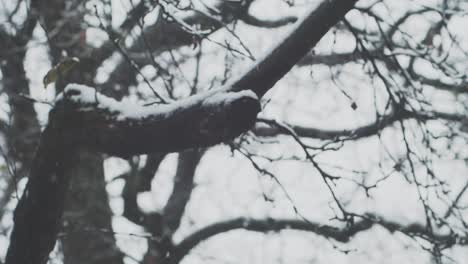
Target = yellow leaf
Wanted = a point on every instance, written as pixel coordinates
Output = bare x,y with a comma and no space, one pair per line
61,69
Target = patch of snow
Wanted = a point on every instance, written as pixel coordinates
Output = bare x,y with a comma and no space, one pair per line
127,109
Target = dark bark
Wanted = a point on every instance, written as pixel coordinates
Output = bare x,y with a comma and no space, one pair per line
195,122
38,214
87,208
22,131
268,23
86,202
266,72
374,128
160,225
147,173
139,180
341,234
172,213
183,185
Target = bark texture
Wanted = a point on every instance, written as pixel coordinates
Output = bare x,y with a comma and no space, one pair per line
38,215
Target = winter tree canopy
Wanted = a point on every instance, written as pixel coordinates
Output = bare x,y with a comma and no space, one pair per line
234,131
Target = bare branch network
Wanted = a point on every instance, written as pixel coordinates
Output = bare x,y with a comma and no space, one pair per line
65,198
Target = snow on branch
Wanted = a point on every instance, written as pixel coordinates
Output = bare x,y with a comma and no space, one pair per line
125,128
83,118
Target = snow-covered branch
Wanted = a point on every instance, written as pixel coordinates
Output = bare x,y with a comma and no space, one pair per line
84,118
125,128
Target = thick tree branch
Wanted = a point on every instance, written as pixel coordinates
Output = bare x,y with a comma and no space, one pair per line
171,216
86,202
183,185
147,172
38,213
343,234
358,132
268,23
279,61
138,180
84,118
124,129
22,131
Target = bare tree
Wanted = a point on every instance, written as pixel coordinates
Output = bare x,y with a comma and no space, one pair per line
65,196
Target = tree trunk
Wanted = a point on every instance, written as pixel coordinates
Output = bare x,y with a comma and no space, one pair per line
88,236
86,208
38,215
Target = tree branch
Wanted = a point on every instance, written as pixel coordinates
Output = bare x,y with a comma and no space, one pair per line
124,129
279,61
138,180
174,209
83,118
183,185
38,213
359,132
268,23
335,58
343,234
